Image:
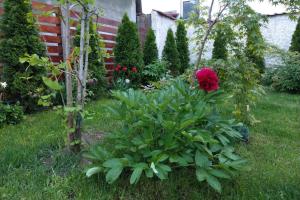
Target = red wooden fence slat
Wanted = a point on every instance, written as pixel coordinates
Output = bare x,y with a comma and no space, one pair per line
55,49
107,21
108,37
43,6
51,39
110,45
107,29
56,59
109,60
50,29
49,19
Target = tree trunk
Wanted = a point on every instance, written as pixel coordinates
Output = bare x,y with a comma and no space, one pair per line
86,65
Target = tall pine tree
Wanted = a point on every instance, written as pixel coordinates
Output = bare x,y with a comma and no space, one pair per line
96,67
170,53
128,48
19,37
150,48
182,46
219,47
295,44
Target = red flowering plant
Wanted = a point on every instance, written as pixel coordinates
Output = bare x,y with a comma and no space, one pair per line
124,76
208,79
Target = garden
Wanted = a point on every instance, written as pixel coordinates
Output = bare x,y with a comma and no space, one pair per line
150,127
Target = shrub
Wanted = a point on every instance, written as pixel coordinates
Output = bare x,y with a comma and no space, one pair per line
170,53
128,49
19,37
155,71
97,71
176,127
295,44
10,114
182,46
150,48
223,37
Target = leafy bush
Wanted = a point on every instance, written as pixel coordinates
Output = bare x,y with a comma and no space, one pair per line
128,50
170,53
295,44
19,36
150,48
10,114
176,127
155,71
182,43
97,71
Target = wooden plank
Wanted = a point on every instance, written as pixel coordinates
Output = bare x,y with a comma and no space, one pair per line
107,21
109,66
51,39
48,19
43,6
106,29
110,45
108,37
109,60
55,49
56,59
50,29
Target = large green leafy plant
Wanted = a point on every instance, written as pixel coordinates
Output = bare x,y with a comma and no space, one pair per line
19,37
176,127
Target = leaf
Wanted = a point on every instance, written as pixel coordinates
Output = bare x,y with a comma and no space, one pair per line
201,174
214,183
113,174
136,174
54,85
113,163
201,160
219,173
95,170
152,166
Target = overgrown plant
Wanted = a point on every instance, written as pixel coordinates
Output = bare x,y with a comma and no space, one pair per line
170,53
20,36
176,127
155,71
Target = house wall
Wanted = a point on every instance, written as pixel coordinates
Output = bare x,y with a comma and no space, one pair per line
160,25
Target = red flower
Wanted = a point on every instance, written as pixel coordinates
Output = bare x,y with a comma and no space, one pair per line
134,70
207,79
124,69
118,68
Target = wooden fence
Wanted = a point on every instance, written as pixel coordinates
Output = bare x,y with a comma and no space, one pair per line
51,30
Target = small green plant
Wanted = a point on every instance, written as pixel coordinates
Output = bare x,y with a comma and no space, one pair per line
176,127
182,43
10,114
155,71
170,53
150,48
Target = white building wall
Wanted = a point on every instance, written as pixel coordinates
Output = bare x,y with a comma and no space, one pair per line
160,26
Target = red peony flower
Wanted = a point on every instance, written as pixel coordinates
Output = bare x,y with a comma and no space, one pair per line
124,69
134,70
118,68
207,79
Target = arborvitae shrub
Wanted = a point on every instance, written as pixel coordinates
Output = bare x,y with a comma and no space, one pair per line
96,68
170,53
182,46
219,47
295,44
150,48
19,36
128,48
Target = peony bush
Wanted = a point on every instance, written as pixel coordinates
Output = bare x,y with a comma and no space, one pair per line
168,129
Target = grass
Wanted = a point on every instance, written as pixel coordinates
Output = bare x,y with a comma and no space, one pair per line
34,164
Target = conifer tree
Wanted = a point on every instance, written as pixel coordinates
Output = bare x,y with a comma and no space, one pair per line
295,44
128,49
170,53
19,37
96,67
150,48
219,47
182,46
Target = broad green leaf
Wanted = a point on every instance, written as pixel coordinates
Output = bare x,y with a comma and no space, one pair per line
201,160
214,183
113,174
201,174
92,171
136,175
54,85
219,173
113,163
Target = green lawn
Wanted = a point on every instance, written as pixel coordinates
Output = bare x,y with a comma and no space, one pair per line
34,164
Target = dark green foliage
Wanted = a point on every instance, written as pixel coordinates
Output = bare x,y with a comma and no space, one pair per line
128,49
182,46
97,71
170,53
254,54
222,39
295,44
155,71
10,114
20,36
150,48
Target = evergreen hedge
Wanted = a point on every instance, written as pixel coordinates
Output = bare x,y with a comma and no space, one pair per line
97,70
170,53
128,48
150,48
20,36
295,44
182,46
219,47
